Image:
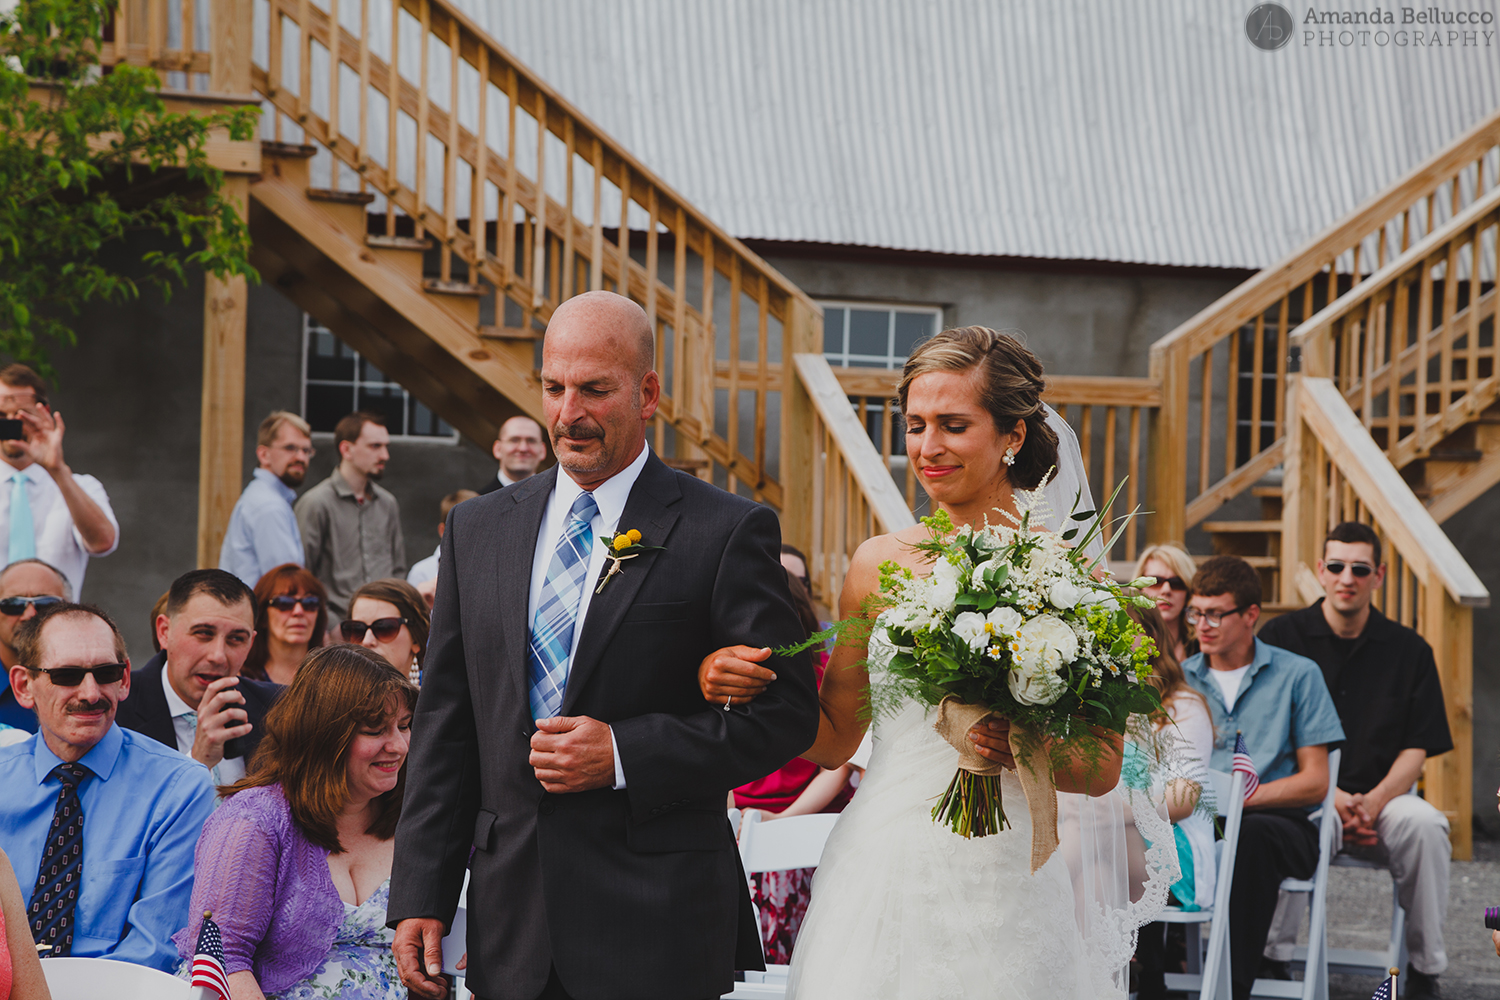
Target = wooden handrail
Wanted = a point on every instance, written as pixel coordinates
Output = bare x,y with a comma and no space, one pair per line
1101,390
1421,542
865,464
1193,367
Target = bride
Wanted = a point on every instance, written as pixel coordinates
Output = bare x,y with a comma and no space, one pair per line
902,908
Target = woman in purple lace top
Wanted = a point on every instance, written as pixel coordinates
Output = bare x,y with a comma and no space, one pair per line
295,865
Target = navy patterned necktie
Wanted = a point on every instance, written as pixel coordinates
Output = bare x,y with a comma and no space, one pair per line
55,897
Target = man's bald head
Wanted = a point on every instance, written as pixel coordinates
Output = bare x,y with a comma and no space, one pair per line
606,315
599,390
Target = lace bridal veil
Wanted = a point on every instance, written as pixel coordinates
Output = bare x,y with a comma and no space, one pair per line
1119,882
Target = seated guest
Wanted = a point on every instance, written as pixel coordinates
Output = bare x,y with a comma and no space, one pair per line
92,804
157,610
21,975
1385,686
1173,569
295,866
390,617
190,695
25,586
800,788
423,575
1279,702
291,618
1187,729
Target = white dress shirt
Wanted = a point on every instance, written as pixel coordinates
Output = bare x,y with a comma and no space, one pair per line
610,497
185,725
425,569
57,541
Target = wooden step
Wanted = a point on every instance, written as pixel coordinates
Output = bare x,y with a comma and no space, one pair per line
1266,492
1241,527
341,197
440,287
509,333
289,149
1454,455
398,243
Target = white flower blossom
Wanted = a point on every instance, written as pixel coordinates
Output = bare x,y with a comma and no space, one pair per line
969,628
1047,644
1005,619
943,585
1064,594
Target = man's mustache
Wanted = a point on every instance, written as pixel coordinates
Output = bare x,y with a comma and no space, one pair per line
576,431
81,707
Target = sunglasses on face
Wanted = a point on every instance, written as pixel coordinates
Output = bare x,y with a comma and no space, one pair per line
14,606
1360,570
1176,583
1213,619
70,677
286,602
385,629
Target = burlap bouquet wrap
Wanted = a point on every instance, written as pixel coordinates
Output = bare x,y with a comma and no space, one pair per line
1033,770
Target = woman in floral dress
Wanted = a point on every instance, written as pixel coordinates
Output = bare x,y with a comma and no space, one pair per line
295,865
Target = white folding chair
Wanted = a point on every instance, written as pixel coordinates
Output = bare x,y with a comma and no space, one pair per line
457,942
793,842
1207,977
1314,985
91,978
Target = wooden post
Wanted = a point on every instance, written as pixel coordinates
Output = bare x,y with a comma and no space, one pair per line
1449,779
1166,487
225,303
799,447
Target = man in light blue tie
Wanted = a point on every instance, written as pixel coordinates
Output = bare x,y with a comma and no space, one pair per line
46,510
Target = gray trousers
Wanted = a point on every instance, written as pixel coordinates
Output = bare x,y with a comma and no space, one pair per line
1414,843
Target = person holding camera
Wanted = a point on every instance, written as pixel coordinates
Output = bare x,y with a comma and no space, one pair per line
47,511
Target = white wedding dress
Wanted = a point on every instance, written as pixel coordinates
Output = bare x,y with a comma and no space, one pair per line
904,909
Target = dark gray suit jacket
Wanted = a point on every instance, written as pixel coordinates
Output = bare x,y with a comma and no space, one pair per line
632,893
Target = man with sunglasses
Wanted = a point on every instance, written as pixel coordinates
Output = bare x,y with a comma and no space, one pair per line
26,587
1385,685
100,823
1279,702
191,695
263,531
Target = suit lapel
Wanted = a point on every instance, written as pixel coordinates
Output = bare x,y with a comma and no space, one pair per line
515,553
649,509
156,717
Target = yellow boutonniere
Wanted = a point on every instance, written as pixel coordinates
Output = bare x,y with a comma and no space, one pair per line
618,547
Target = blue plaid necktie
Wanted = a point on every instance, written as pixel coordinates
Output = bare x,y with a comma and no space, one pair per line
57,883
557,611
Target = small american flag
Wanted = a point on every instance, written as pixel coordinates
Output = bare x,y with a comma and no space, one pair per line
1387,989
208,960
1244,765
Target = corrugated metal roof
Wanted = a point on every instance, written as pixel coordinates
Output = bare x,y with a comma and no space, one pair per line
1149,132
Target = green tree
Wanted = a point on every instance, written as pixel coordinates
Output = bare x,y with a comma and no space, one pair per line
87,157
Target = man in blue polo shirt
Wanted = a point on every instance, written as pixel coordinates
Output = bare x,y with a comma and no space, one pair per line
1281,705
99,822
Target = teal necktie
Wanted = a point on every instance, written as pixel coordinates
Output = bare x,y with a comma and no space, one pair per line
22,530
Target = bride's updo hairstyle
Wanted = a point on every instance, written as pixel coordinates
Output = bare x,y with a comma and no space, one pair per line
1010,387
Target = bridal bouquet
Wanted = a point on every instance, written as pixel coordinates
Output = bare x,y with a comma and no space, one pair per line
1011,622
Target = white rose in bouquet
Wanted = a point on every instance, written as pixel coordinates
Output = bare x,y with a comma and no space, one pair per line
1047,643
1005,619
969,627
1064,594
944,584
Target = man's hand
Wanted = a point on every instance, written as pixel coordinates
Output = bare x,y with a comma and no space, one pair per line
44,436
734,673
573,754
992,740
219,721
418,947
1359,826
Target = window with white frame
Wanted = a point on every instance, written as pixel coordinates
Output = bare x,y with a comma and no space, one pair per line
875,334
336,381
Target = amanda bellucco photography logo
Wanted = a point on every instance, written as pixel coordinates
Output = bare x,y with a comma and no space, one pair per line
1270,26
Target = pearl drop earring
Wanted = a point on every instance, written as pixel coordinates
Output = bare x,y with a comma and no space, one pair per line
1010,456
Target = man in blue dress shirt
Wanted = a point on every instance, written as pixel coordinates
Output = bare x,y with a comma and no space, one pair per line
263,530
1280,703
99,822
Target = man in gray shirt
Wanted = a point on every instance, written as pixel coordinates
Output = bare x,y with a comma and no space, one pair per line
351,528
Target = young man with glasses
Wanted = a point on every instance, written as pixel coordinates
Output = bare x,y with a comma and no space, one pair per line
1279,702
263,531
25,588
1385,685
100,823
47,511
191,695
